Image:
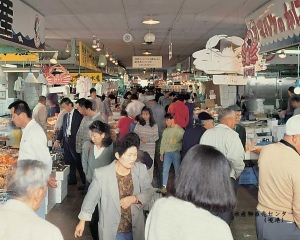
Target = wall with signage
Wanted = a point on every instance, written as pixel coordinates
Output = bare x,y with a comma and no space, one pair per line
147,62
87,57
276,24
21,24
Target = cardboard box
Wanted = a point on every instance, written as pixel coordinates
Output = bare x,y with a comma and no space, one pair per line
210,103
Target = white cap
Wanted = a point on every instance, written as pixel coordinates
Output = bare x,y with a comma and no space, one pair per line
293,126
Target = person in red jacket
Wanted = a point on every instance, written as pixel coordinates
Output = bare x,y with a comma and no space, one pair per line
124,124
180,112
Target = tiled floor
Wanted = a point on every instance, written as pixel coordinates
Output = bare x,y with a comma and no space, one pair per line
243,226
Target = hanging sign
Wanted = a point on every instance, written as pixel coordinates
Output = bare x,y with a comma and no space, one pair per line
278,20
147,61
22,25
87,57
6,16
229,80
96,76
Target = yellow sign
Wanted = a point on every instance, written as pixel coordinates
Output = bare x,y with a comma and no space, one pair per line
147,61
12,57
87,57
96,76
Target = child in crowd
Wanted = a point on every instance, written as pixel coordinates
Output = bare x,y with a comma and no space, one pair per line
171,144
124,124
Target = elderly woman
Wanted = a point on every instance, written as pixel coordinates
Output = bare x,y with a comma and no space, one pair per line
53,103
202,189
96,153
26,184
121,190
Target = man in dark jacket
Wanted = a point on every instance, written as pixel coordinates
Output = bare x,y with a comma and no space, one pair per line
239,128
192,136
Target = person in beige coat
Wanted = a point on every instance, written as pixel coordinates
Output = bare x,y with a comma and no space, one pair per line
121,190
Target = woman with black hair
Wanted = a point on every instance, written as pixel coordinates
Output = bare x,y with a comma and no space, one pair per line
147,130
121,190
202,188
96,153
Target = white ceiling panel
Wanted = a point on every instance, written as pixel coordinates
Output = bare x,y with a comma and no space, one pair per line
191,23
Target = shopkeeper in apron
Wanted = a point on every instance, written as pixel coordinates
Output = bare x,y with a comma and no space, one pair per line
33,144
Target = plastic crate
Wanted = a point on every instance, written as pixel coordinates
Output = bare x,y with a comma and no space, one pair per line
249,176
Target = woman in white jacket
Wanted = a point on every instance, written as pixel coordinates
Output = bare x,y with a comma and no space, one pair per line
202,189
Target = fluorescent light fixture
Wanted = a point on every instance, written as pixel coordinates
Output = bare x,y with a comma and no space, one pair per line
53,60
9,66
41,78
94,45
31,78
151,21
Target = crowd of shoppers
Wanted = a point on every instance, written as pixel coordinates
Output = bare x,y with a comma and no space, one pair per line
117,173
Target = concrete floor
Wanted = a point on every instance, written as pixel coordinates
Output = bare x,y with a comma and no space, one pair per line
65,215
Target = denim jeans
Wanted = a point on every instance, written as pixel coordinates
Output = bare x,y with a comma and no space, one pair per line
169,158
124,236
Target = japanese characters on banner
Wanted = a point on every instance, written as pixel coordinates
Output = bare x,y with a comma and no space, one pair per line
250,50
147,62
278,20
21,24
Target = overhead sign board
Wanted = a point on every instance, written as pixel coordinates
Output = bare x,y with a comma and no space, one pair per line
276,22
147,61
22,25
87,57
229,80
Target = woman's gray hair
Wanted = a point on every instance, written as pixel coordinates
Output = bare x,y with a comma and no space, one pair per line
24,177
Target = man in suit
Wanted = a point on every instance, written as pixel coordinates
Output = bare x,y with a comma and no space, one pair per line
67,134
239,128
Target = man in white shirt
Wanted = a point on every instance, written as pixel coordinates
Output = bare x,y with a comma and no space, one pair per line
227,141
134,108
39,113
26,185
33,144
93,95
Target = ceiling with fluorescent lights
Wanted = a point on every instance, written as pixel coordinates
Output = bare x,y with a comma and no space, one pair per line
191,23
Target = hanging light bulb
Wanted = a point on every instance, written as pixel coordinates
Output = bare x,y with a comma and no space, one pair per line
53,60
106,53
297,88
116,62
41,78
3,79
67,48
102,62
178,67
31,78
94,45
113,60
282,54
98,48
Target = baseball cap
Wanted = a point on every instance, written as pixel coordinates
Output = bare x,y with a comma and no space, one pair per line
204,116
293,126
234,107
